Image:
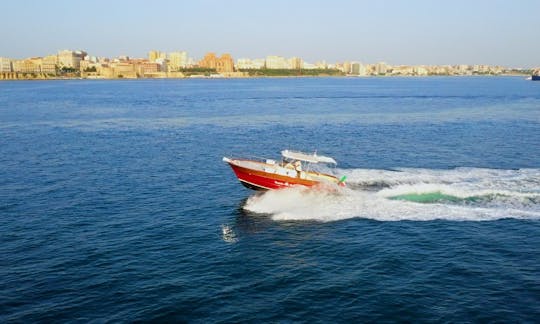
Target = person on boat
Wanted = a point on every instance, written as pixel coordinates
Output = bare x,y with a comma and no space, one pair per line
298,168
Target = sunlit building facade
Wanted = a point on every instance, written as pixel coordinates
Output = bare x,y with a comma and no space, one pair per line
223,64
178,60
5,64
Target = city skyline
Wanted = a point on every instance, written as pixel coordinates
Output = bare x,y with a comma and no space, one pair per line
158,64
401,32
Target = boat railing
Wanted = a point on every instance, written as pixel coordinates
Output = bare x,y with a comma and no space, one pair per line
256,159
306,166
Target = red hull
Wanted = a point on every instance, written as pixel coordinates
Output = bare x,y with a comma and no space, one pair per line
259,180
254,176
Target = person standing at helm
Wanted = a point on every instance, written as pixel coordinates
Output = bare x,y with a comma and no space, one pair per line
298,168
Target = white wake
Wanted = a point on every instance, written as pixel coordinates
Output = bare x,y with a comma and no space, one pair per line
465,194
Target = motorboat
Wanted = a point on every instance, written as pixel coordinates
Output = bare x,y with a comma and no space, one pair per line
294,169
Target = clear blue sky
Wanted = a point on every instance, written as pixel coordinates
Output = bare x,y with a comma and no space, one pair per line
495,32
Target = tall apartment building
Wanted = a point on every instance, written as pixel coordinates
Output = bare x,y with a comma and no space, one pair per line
156,55
178,60
355,68
381,68
346,67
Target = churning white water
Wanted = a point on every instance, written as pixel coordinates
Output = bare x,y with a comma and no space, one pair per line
465,194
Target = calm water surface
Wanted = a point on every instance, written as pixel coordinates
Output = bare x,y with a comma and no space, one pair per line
115,204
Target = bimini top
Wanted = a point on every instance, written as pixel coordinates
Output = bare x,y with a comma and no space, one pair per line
312,158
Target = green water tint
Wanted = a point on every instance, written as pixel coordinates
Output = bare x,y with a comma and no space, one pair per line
433,197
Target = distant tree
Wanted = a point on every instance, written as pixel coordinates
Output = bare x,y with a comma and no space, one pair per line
66,69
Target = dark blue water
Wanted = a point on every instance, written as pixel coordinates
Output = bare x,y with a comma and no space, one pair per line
115,204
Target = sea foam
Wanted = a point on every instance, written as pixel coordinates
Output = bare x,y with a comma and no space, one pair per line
462,194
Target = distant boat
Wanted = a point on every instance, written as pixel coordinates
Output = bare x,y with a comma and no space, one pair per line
535,75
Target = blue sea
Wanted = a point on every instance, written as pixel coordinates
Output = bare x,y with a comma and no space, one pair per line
116,206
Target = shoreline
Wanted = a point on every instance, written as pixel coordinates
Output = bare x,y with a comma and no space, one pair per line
201,77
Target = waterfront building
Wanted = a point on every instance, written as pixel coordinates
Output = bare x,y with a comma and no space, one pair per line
402,70
162,62
309,66
124,70
346,67
276,62
295,63
146,68
380,68
223,64
105,71
321,65
5,65
355,68
35,65
70,59
178,60
27,65
362,70
209,61
245,63
84,65
48,64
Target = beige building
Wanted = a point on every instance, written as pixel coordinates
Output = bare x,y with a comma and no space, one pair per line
144,68
381,68
36,65
177,60
295,63
276,62
358,69
155,55
249,64
70,59
48,64
346,67
124,70
5,65
27,66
